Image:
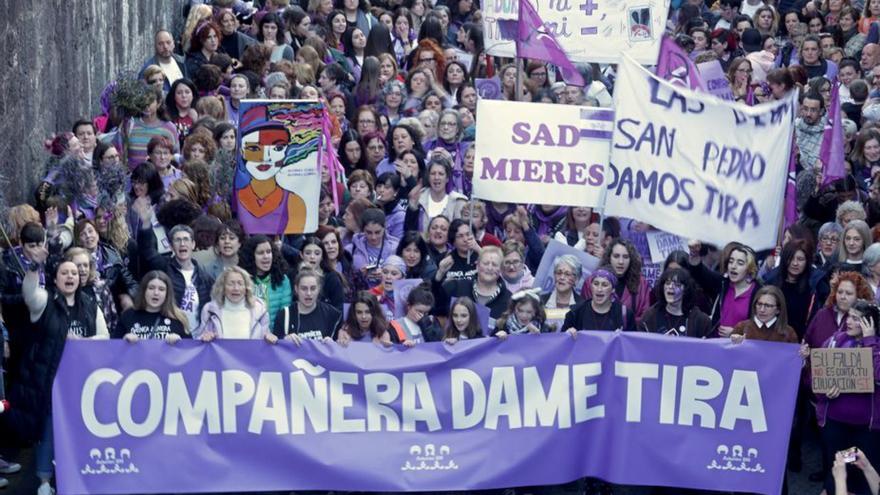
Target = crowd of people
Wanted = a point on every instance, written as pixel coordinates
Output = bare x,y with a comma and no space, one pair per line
132,233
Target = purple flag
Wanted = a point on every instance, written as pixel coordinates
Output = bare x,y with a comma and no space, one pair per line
535,41
245,415
675,66
791,213
831,152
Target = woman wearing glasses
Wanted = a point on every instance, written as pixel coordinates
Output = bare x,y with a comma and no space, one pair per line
769,321
675,313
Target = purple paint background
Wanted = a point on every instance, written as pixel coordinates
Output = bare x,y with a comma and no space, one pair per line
609,448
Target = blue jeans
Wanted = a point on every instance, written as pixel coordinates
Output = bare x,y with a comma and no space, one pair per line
45,451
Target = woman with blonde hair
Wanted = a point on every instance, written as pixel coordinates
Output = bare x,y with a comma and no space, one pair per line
234,311
183,188
854,240
154,76
19,216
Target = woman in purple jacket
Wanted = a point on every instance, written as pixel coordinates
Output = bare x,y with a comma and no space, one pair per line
850,419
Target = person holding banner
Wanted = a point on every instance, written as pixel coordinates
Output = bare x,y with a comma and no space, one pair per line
64,313
364,322
308,318
733,293
631,289
463,322
853,420
601,311
234,312
154,314
393,269
525,315
770,322
675,313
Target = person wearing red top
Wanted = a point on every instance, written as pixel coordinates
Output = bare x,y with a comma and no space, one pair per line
479,223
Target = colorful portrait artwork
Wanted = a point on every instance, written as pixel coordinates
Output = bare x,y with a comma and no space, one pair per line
278,178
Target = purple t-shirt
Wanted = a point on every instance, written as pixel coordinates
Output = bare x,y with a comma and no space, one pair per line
735,309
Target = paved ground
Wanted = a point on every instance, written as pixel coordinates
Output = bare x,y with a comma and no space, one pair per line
25,482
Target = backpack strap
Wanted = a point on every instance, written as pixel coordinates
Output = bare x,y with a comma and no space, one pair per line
398,328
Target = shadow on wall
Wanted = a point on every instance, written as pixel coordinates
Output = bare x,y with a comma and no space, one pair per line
57,57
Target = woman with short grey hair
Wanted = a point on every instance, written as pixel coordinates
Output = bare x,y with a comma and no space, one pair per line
565,289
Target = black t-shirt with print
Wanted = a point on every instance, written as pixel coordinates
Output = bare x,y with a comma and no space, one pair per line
147,325
323,321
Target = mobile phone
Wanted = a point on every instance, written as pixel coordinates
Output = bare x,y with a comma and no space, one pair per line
849,455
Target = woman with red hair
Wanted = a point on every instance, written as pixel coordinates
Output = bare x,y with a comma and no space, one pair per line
846,288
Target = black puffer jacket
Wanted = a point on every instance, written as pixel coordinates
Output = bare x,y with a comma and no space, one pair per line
155,261
31,394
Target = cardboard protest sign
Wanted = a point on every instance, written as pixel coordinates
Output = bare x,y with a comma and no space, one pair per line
278,179
541,153
663,243
696,166
588,31
851,370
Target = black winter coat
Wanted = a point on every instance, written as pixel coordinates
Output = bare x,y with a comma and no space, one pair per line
31,393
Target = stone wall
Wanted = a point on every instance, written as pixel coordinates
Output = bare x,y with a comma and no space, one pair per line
57,57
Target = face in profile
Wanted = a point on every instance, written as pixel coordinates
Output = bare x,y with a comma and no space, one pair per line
263,151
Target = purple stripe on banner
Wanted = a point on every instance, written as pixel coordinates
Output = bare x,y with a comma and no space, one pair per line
588,114
595,134
237,415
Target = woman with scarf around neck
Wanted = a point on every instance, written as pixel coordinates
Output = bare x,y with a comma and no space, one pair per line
393,269
525,315
514,272
574,231
675,313
548,220
732,293
601,311
851,420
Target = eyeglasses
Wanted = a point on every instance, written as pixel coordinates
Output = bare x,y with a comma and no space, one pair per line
512,263
563,273
764,305
830,238
181,240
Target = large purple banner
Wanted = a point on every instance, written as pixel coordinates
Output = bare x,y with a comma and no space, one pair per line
249,416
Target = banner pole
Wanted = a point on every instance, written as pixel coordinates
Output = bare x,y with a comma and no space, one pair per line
519,81
471,224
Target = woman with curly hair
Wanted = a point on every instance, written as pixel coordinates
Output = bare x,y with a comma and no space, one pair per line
846,288
263,261
631,289
198,171
199,146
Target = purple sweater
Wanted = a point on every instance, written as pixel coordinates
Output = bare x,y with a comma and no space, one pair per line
854,409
